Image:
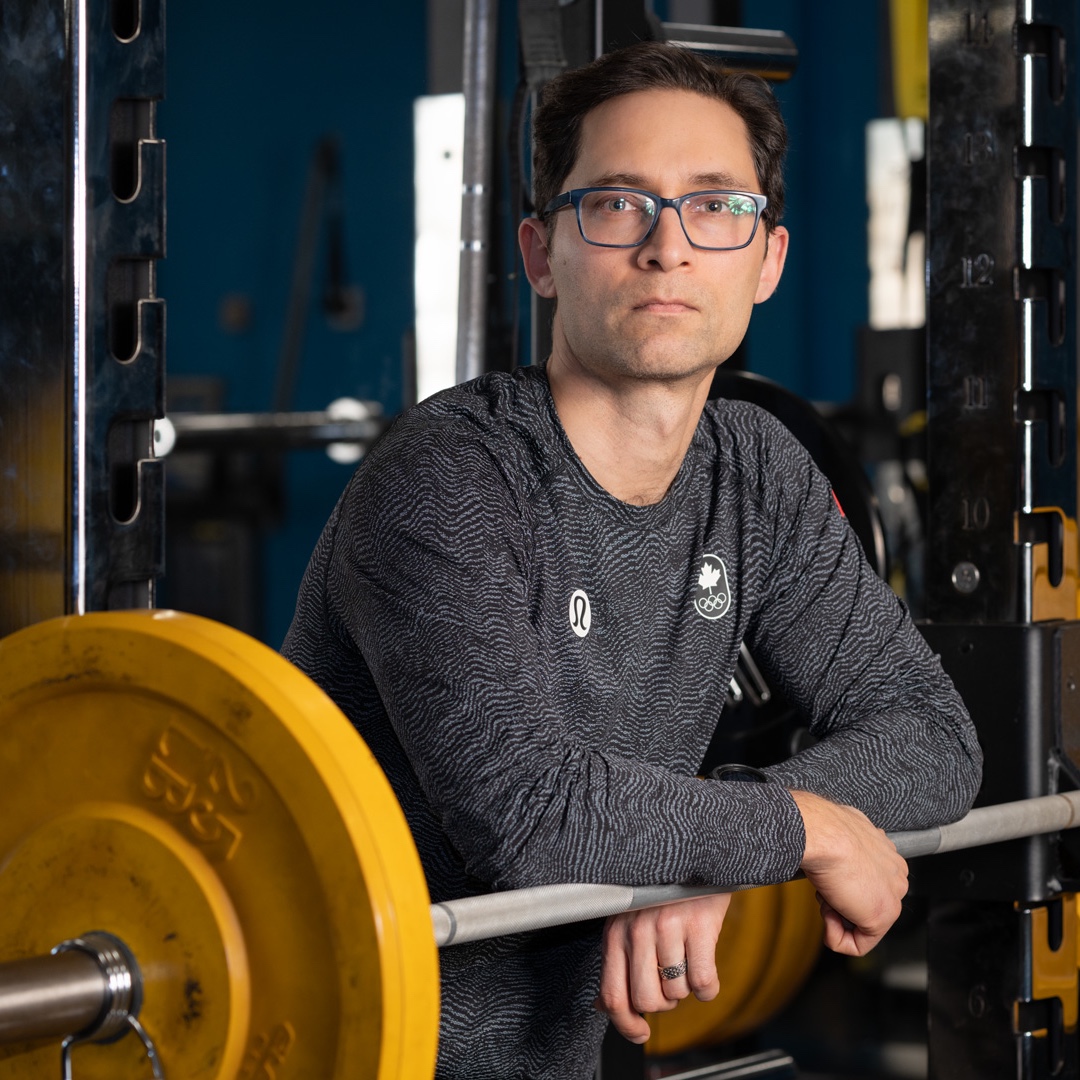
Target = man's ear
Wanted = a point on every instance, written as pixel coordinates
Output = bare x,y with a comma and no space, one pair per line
533,241
773,264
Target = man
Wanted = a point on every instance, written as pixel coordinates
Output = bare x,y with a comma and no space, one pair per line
531,596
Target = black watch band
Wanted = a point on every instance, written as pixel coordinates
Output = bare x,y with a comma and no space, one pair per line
747,774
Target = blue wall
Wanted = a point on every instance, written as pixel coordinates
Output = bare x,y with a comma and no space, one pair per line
804,336
248,96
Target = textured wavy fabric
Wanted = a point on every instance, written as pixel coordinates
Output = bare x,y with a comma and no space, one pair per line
539,668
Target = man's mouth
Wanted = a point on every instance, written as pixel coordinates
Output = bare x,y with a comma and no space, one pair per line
660,305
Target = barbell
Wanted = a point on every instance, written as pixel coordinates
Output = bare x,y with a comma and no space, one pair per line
196,847
476,917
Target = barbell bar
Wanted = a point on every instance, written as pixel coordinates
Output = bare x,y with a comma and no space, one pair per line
79,988
474,918
191,795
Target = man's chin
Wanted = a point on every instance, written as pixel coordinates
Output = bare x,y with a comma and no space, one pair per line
671,368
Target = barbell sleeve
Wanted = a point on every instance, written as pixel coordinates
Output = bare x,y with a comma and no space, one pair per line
994,824
48,997
474,918
88,986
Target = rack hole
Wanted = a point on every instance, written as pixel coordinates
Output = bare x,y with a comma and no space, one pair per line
130,121
129,281
129,442
126,18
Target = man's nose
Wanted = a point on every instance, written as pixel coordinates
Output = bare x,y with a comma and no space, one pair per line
668,243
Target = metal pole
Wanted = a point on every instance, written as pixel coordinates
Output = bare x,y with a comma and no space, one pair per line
473,918
479,86
49,997
268,431
88,987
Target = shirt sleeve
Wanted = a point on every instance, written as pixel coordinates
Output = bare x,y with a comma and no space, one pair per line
895,739
427,578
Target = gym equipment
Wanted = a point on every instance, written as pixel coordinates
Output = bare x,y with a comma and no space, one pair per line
82,354
1003,561
476,917
347,421
1001,333
478,155
177,784
197,846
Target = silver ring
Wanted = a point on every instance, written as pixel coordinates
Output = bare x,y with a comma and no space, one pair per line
675,971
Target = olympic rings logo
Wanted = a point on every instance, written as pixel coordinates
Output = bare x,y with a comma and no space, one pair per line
711,603
714,599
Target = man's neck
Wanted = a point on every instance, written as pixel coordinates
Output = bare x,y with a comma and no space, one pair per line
631,434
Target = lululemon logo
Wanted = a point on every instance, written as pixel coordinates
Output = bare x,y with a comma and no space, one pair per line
580,612
713,597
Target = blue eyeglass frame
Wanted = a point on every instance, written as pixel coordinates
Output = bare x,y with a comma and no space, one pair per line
575,195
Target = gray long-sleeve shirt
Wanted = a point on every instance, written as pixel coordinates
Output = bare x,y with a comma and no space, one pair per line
539,668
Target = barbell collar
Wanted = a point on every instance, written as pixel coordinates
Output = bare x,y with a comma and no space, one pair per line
121,979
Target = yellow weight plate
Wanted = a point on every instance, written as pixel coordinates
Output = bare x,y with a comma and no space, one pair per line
185,932
767,948
180,785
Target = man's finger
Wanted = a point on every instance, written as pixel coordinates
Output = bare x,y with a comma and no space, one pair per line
701,973
674,983
614,996
671,958
631,1025
842,936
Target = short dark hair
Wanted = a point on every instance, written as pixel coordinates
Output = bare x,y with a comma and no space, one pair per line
650,65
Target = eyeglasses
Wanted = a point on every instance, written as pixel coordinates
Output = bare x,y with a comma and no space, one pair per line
626,217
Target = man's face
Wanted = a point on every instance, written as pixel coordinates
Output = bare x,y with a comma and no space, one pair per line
665,309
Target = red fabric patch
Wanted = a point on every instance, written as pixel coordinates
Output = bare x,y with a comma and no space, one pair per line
838,506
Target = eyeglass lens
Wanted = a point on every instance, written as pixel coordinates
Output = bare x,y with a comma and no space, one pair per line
711,219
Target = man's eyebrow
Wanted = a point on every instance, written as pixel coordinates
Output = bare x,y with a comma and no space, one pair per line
618,179
698,182
722,180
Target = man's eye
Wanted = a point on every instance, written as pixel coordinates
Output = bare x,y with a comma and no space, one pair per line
624,204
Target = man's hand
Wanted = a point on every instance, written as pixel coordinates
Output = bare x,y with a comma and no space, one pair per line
638,943
859,877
